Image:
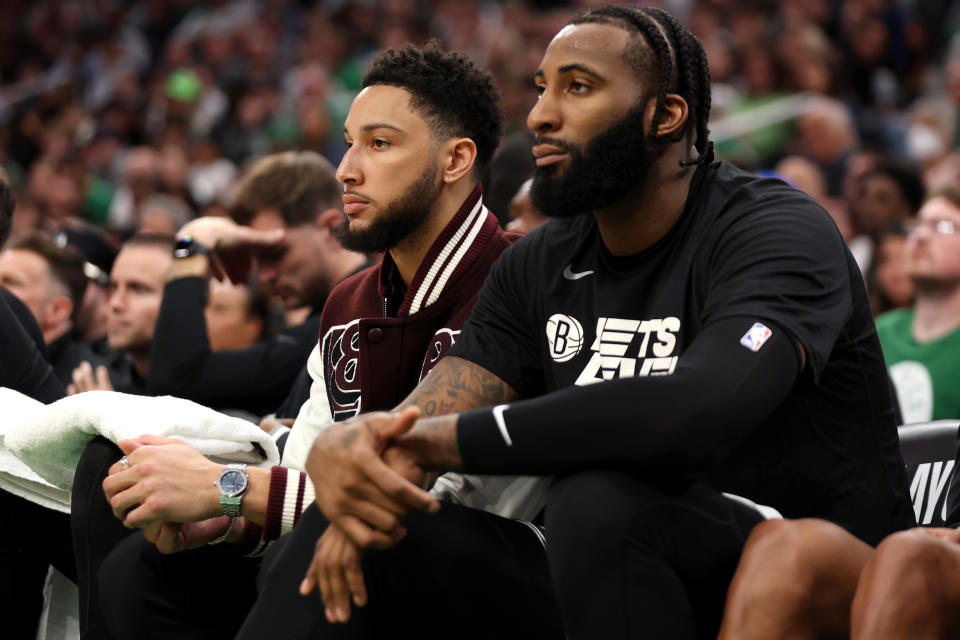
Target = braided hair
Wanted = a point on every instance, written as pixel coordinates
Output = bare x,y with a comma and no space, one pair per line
678,59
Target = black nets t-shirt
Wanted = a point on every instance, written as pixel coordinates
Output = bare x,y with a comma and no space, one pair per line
559,310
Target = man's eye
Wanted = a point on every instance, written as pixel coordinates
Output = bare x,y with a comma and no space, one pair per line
347,144
379,143
579,87
540,89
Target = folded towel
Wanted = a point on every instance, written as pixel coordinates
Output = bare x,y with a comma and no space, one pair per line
16,477
49,439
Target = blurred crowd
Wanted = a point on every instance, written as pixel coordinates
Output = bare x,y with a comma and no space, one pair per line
140,115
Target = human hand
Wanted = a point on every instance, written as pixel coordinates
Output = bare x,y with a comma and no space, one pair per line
234,245
335,568
173,537
357,490
166,481
269,424
85,379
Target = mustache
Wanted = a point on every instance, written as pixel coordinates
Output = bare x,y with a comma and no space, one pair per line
555,142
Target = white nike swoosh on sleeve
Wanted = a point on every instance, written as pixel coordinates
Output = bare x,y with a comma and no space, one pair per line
501,423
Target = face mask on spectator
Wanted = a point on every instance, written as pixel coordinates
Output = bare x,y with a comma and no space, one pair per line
924,142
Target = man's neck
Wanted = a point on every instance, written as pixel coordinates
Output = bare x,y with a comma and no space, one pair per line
52,334
410,252
141,363
936,313
647,213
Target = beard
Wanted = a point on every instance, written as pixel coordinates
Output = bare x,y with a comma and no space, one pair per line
399,219
611,164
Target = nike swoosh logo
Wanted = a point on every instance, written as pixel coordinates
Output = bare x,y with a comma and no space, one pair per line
570,275
501,423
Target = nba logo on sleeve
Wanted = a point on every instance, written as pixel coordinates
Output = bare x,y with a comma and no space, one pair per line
565,335
756,337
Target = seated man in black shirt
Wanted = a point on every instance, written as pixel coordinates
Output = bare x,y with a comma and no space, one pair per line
136,289
25,549
680,329
283,216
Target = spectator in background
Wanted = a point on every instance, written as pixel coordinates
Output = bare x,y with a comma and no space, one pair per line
931,131
888,284
524,217
236,316
162,214
49,279
889,193
136,287
805,175
828,136
283,214
91,323
140,169
922,344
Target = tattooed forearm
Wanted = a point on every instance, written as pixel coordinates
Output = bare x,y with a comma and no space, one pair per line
457,385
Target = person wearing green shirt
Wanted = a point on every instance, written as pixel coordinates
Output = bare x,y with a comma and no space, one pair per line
921,344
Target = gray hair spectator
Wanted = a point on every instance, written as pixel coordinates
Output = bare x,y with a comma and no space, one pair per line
162,214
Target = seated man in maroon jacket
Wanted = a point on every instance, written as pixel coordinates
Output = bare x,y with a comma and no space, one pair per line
419,136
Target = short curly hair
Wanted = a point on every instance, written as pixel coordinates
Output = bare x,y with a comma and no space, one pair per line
456,97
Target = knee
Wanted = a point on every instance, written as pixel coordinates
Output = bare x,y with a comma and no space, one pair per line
909,566
588,508
783,561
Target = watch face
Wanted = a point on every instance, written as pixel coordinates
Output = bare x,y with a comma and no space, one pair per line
233,481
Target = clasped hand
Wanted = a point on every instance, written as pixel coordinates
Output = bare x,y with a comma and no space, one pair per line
364,488
360,492
167,490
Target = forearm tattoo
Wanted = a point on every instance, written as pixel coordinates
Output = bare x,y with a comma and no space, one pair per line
456,385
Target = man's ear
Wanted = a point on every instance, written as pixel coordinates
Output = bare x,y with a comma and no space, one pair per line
457,157
59,309
673,118
329,219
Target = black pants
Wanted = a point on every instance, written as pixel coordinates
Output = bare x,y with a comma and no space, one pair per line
129,590
628,560
31,539
631,559
95,531
202,594
461,573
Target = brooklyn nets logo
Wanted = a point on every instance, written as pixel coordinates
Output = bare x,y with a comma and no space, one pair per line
565,336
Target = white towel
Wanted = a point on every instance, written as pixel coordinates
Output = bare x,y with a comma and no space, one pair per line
49,439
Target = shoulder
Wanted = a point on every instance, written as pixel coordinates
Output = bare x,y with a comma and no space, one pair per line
755,211
731,189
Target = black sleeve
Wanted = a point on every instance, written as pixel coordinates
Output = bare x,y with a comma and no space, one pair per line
300,393
498,334
683,422
27,321
22,366
780,258
256,379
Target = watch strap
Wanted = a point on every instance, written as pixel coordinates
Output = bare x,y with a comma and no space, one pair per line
226,532
186,247
231,505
